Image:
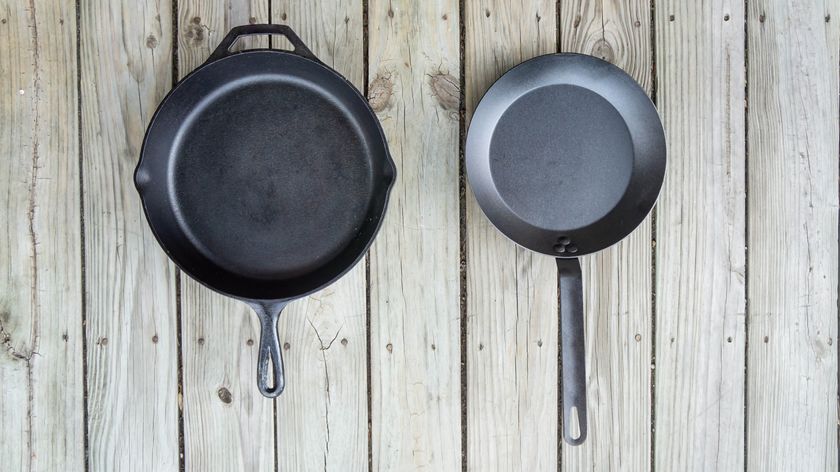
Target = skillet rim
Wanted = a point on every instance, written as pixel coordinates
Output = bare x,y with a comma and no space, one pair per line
390,172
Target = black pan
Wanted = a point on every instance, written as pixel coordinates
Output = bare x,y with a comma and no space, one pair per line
265,175
566,156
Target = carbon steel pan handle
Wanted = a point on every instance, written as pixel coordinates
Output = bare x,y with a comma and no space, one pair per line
574,367
223,49
269,353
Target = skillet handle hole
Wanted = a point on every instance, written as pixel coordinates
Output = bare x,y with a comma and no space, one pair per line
280,37
280,42
272,41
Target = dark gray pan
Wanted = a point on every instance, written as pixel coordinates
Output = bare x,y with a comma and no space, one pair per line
566,156
265,176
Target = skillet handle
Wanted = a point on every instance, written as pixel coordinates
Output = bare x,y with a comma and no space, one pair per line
269,353
574,364
223,49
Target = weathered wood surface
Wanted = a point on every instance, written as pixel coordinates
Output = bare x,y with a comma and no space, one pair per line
130,299
414,264
512,319
617,281
794,48
228,425
41,380
322,417
735,301
700,254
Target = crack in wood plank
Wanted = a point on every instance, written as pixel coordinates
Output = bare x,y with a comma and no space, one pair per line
33,185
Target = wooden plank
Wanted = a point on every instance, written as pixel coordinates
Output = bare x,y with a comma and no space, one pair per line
512,318
617,281
228,425
126,68
792,217
700,265
415,263
322,417
40,286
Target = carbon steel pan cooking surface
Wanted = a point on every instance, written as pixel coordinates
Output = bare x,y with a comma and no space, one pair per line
577,161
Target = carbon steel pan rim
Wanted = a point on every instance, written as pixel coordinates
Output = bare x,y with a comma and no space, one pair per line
640,118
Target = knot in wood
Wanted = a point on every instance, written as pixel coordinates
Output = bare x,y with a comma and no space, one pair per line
446,90
379,92
604,50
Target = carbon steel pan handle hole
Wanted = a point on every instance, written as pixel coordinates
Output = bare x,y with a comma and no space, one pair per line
574,426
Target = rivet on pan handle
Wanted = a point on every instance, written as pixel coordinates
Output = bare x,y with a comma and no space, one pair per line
269,351
223,50
574,367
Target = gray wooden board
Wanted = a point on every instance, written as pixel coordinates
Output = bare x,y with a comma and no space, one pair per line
322,418
228,425
617,281
512,322
794,49
41,381
700,229
414,263
132,358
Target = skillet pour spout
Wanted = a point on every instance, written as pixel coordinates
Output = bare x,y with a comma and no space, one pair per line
265,176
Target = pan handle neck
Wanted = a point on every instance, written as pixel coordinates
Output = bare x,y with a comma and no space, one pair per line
573,352
269,358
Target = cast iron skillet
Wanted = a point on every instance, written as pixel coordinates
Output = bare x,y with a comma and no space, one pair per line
265,175
566,156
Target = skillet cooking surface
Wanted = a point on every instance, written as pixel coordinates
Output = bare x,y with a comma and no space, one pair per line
258,194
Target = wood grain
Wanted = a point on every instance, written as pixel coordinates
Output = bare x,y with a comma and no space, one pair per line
322,417
700,277
228,425
40,252
126,68
793,197
512,317
617,281
746,252
203,24
414,264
